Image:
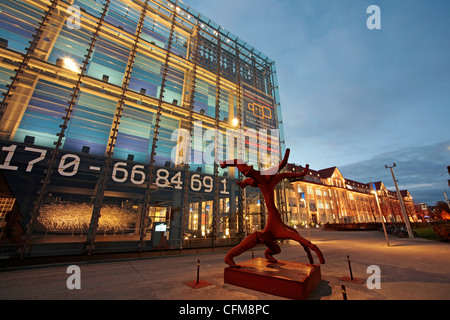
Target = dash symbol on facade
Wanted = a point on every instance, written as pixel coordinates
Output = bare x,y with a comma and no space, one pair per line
95,168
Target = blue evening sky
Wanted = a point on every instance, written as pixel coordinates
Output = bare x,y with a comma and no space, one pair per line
356,98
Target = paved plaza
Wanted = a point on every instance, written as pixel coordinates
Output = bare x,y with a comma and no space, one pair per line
411,269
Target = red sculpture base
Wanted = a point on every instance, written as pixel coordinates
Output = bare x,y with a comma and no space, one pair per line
293,280
354,280
197,284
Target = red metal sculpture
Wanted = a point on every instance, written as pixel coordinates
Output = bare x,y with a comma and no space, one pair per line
275,228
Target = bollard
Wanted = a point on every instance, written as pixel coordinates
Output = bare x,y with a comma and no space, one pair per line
198,283
344,292
351,279
350,267
198,271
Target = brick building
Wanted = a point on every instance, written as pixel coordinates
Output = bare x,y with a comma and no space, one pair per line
325,196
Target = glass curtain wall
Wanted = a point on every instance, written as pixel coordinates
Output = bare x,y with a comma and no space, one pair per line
113,119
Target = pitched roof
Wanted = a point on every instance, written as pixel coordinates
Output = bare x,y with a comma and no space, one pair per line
315,176
378,185
357,184
327,173
405,193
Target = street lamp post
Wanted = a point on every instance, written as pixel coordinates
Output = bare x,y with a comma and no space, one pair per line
402,205
381,215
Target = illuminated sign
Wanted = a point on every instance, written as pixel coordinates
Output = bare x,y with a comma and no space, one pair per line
18,157
161,227
259,110
260,123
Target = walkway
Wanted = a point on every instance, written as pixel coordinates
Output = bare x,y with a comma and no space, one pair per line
410,269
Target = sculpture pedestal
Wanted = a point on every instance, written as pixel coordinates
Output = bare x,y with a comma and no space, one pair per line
354,280
197,284
293,280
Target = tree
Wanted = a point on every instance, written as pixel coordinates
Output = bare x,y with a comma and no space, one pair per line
442,206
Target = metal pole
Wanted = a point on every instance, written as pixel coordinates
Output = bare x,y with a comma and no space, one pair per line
198,271
448,203
350,267
344,292
381,215
402,205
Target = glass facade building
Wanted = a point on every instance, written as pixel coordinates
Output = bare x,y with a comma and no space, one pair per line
113,119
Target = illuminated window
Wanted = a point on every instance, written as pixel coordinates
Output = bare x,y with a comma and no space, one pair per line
43,114
320,204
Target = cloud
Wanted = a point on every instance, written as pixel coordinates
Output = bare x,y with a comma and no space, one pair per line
422,170
351,97
413,186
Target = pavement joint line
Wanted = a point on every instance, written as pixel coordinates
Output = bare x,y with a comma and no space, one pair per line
131,265
162,278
